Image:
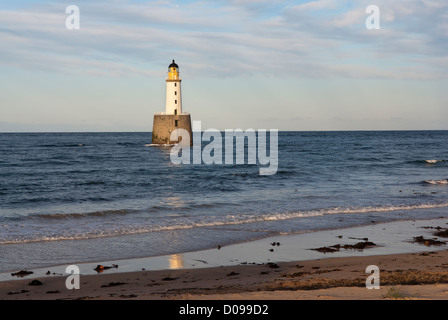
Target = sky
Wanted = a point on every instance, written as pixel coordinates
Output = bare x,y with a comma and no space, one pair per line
260,64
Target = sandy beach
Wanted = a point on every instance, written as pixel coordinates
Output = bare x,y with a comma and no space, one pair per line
333,267
403,276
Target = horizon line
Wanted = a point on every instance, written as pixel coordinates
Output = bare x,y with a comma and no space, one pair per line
360,130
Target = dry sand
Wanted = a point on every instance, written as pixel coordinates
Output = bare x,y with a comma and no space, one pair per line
417,275
402,276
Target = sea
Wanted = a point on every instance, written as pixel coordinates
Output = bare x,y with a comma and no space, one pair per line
79,197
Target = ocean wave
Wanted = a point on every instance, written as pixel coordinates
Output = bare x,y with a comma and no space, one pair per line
426,161
434,161
123,212
91,183
158,145
128,143
181,223
70,145
442,181
59,216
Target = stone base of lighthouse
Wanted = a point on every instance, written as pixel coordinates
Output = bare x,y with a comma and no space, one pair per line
165,124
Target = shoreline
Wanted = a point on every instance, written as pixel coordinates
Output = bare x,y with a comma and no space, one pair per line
252,260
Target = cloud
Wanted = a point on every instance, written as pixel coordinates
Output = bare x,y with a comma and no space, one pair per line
323,38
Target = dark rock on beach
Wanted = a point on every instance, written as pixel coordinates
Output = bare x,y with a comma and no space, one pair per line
443,233
53,291
113,284
327,249
99,268
363,245
337,247
428,242
273,265
35,283
21,273
17,292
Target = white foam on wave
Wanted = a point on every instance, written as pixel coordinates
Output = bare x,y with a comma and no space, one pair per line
138,228
434,161
443,181
159,145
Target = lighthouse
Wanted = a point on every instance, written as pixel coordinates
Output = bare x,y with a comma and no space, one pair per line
173,118
173,90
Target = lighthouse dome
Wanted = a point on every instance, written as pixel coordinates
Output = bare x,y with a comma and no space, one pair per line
173,65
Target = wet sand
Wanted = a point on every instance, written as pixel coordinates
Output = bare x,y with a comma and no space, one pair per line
277,268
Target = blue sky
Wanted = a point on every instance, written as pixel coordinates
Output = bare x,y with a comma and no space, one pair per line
287,65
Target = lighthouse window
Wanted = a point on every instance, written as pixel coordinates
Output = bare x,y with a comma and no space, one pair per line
175,84
175,101
176,123
175,93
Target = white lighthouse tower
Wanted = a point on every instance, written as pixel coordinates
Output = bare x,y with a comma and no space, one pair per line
173,91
